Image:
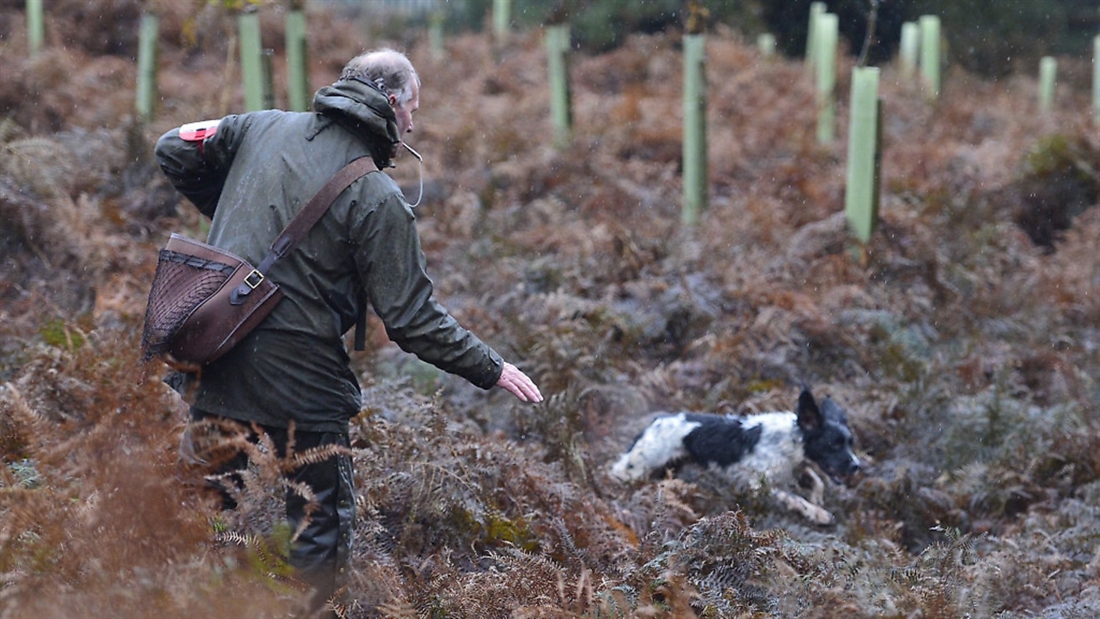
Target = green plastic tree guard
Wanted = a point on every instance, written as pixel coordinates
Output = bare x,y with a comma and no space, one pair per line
502,20
268,64
766,44
861,191
435,34
36,30
146,95
817,9
297,62
907,55
930,55
695,128
252,61
827,35
1048,73
1096,78
561,113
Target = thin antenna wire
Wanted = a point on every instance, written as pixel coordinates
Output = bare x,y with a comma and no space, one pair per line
421,160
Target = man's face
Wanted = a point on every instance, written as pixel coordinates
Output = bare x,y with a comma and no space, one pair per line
404,112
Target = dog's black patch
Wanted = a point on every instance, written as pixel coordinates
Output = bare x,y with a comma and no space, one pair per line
719,440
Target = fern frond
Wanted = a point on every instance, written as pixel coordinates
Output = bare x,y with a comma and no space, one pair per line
398,610
315,455
22,430
249,540
306,492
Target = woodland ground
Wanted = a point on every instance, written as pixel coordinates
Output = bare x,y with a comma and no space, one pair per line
963,340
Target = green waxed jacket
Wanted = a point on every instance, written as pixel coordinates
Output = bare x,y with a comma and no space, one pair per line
252,176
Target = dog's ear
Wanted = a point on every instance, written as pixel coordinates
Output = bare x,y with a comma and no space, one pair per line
809,416
833,411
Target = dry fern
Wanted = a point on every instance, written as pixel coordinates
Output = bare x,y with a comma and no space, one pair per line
949,325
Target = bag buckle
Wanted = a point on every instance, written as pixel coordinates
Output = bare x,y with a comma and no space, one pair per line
254,279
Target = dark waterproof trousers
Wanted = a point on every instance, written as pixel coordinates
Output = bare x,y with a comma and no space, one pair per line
321,552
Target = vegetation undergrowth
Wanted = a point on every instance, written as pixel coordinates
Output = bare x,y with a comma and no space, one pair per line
963,340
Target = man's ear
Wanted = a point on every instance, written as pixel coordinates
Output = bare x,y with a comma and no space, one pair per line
393,100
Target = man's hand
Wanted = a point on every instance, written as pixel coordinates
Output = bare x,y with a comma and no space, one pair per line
518,383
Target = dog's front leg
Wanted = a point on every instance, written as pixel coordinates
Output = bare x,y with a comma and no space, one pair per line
816,486
809,511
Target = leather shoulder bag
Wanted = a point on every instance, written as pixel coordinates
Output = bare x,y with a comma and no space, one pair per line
204,300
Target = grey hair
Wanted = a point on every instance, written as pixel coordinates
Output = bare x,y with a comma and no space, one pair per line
387,68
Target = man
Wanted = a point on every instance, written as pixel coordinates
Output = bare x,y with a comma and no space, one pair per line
251,173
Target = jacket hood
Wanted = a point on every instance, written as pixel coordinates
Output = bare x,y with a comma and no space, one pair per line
369,112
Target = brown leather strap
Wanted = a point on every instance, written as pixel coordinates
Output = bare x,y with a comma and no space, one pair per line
304,221
312,212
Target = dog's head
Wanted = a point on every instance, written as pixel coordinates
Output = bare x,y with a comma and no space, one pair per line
826,439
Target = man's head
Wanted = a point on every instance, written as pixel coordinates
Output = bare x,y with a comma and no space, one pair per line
395,75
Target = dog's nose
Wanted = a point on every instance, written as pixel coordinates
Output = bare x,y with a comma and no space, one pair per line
853,467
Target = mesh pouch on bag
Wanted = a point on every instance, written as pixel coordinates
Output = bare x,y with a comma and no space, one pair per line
202,302
182,283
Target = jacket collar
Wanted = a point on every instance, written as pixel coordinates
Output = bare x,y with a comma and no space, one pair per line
362,108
